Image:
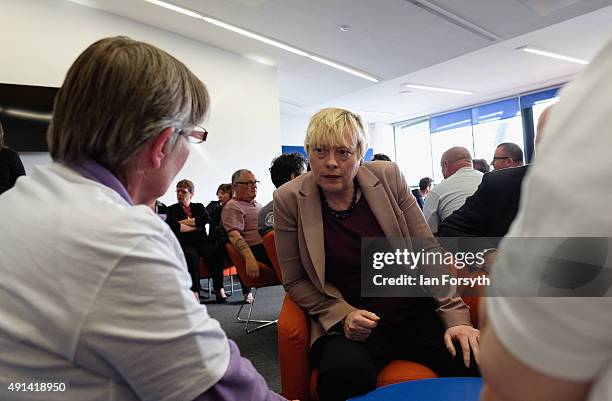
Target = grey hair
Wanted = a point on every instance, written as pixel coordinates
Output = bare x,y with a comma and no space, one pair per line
238,173
119,95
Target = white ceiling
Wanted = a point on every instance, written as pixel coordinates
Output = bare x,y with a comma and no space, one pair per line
397,41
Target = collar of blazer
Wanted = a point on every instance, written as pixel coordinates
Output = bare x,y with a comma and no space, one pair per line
382,202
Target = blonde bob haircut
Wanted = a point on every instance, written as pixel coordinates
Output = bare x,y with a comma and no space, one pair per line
118,96
335,128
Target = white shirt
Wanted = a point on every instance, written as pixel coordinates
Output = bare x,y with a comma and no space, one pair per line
568,338
450,195
95,293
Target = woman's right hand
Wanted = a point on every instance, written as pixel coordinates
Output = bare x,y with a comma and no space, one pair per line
359,324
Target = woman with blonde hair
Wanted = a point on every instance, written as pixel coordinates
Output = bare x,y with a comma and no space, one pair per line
11,167
320,219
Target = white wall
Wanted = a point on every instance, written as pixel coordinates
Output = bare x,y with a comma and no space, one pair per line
381,139
293,131
41,38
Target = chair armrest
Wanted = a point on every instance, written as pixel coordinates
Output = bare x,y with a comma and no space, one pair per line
294,350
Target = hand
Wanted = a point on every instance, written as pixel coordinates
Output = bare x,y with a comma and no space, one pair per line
467,337
359,324
252,268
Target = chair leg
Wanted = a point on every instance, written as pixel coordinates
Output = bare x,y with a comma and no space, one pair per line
231,292
248,320
209,292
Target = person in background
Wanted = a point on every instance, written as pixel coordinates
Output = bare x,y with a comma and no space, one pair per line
381,156
460,181
319,221
284,168
481,165
239,218
507,155
421,192
11,167
219,239
188,220
120,322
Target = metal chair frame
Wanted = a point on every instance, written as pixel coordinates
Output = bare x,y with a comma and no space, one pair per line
248,320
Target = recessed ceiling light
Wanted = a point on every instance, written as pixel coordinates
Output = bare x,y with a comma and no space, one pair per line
540,52
344,28
263,39
438,89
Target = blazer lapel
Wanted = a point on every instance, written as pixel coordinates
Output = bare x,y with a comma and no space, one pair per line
380,203
309,204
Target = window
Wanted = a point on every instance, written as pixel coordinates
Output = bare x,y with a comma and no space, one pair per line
443,140
496,123
448,130
413,150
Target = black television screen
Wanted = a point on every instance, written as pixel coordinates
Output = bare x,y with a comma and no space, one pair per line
25,114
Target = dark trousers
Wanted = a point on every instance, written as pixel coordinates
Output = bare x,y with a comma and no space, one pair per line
349,368
193,251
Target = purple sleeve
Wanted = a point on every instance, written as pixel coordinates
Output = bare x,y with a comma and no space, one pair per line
240,382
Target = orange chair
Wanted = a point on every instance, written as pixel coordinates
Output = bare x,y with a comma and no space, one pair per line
298,380
270,245
228,271
267,278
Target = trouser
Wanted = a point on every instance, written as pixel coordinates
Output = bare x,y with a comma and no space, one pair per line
349,368
204,249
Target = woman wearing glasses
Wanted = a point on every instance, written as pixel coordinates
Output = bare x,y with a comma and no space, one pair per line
320,218
187,220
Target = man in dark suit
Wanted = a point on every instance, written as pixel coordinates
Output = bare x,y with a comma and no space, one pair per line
491,209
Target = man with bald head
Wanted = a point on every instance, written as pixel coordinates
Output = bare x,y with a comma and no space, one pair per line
460,181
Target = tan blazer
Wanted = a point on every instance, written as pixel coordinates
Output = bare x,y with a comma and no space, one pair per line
298,229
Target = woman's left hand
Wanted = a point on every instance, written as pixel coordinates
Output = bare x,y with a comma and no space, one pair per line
468,338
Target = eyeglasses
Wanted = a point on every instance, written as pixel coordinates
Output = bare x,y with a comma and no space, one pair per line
342,154
253,183
196,135
500,158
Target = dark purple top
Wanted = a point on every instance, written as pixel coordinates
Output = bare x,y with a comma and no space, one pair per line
343,264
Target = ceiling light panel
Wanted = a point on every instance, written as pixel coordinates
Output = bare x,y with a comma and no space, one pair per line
545,53
438,89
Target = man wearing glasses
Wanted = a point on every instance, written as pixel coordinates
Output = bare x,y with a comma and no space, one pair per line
507,155
239,218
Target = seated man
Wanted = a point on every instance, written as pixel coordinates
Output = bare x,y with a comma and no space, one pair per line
239,218
507,155
284,168
460,181
118,320
421,192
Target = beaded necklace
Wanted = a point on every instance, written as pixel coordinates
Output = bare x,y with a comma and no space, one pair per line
342,214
